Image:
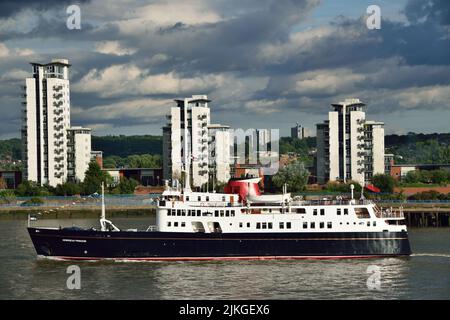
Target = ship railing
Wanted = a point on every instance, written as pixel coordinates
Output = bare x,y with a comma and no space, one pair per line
152,228
331,202
389,213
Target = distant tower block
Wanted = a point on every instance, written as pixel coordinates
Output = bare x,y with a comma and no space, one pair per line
299,132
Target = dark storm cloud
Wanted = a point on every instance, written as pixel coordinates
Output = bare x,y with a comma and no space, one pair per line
428,11
253,51
11,7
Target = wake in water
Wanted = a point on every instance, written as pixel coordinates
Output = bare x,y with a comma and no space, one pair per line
444,255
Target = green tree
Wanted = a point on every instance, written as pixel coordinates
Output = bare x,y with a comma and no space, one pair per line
126,186
384,182
30,189
68,189
293,174
93,179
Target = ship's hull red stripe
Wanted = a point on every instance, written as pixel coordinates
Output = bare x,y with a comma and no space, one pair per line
217,258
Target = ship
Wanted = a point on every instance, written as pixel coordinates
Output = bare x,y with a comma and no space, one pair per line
239,223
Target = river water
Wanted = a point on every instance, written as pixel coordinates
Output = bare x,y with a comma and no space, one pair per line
424,275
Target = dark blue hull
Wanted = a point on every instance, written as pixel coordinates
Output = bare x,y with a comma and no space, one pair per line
142,245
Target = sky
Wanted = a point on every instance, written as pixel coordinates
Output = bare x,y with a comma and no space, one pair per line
263,63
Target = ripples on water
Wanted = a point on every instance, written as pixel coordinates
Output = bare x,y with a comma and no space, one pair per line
425,275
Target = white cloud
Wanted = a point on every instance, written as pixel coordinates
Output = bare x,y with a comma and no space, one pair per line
4,50
114,48
128,79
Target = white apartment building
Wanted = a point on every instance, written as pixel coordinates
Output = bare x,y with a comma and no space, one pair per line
299,132
220,148
348,146
46,119
78,152
185,140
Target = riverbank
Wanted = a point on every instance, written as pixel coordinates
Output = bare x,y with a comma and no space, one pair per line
74,213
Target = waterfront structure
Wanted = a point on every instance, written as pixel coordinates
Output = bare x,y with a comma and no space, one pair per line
78,153
191,144
349,147
299,132
97,156
46,120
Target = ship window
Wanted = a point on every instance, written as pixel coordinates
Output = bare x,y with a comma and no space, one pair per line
362,213
183,213
288,225
216,213
312,225
240,224
374,223
248,224
301,210
175,224
232,213
305,225
315,212
322,225
221,213
281,225
368,223
207,198
178,212
169,224
322,212
258,225
197,226
345,211
264,225
227,213
187,198
183,224
269,225
199,198
339,211
199,213
224,199
329,225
